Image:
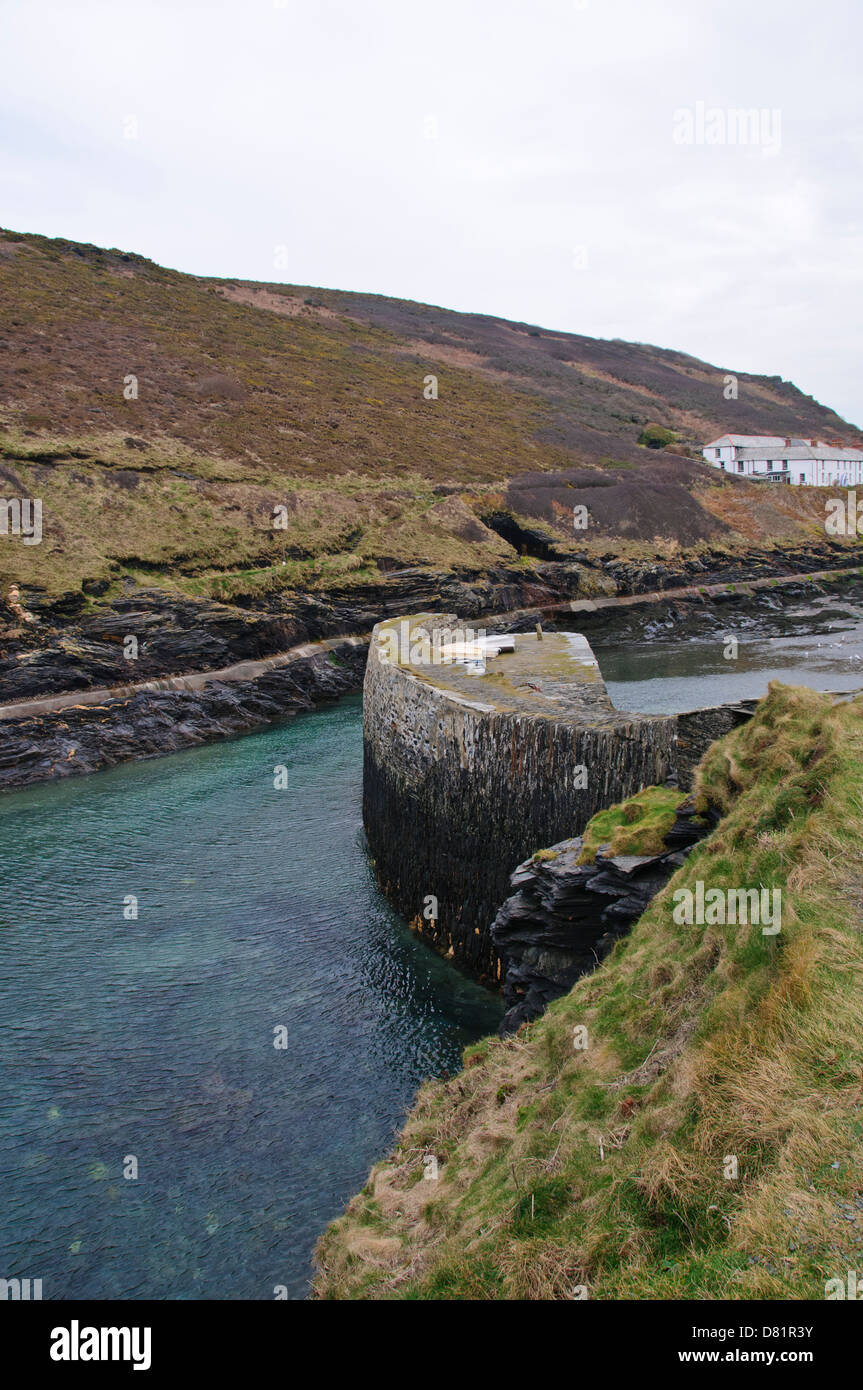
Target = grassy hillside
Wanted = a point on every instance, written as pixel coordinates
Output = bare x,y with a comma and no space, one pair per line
608,1168
252,397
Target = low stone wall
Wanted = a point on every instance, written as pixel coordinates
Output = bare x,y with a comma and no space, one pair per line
465,777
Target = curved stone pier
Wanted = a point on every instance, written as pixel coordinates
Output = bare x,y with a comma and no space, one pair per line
469,771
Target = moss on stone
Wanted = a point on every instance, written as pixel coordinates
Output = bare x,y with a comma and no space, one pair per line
636,826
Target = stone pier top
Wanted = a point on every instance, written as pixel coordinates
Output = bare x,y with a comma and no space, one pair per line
556,677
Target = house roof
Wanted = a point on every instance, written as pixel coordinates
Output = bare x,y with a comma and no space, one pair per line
801,453
752,441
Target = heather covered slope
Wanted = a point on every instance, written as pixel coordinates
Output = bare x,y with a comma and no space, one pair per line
252,397
703,1141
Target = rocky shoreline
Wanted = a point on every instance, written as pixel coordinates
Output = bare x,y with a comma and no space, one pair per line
78,644
149,723
78,639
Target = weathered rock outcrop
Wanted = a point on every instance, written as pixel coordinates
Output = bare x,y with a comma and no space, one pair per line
564,917
74,645
77,641
465,775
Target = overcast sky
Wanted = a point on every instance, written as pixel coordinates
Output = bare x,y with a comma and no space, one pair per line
544,160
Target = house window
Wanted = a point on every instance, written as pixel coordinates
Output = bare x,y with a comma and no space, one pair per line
740,467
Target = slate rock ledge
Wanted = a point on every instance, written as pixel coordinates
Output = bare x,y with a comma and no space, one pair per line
564,917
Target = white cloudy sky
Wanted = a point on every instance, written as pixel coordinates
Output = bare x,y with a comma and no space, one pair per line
509,156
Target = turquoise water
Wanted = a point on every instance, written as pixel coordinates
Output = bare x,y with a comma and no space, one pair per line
152,1038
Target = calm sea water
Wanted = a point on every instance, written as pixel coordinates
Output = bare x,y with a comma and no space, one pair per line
152,1039
818,643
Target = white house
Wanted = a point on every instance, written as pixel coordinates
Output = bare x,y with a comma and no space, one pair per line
774,459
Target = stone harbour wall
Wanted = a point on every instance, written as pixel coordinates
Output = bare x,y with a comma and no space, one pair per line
464,781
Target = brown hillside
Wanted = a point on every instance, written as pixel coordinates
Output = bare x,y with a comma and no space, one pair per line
251,397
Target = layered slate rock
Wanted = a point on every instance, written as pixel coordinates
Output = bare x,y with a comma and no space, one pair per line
76,645
146,723
465,774
563,917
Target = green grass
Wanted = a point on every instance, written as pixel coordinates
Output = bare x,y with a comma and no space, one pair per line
706,1043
